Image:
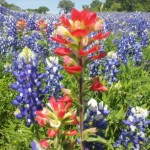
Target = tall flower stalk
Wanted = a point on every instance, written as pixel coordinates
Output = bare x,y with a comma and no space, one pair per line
77,51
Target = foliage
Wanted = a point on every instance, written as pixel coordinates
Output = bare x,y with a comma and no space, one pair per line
115,7
118,5
66,5
42,9
128,5
10,6
94,6
6,110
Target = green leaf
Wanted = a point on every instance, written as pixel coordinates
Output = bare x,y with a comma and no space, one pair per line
100,140
120,114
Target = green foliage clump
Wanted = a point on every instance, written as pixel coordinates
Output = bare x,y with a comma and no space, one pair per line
66,5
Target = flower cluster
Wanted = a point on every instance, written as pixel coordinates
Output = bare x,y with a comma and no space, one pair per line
42,26
96,117
111,67
56,116
73,34
136,127
21,24
54,77
28,85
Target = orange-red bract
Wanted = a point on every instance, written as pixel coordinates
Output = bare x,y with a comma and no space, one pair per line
94,49
100,56
101,36
51,133
44,143
71,132
73,69
60,39
61,107
62,51
97,86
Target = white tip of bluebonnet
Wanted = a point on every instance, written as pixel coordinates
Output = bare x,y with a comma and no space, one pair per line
141,134
131,118
101,105
29,71
140,112
30,90
92,103
98,116
21,94
29,120
27,55
133,128
55,69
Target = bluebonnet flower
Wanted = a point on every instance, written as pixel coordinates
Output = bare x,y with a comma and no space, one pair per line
137,53
28,85
144,38
111,67
94,68
96,117
54,77
136,127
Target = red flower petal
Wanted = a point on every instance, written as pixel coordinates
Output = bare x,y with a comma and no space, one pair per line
94,49
76,15
91,19
62,51
40,121
101,35
82,53
39,113
65,98
102,55
59,39
44,144
73,69
79,32
61,113
68,105
71,132
74,120
54,103
64,20
51,133
97,86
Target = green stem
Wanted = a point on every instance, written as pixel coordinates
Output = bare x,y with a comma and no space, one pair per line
81,111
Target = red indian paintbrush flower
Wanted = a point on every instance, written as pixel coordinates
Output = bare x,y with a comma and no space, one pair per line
56,116
42,25
97,86
74,33
81,23
59,110
21,24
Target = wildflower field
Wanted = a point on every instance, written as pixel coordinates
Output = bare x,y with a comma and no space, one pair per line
78,81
